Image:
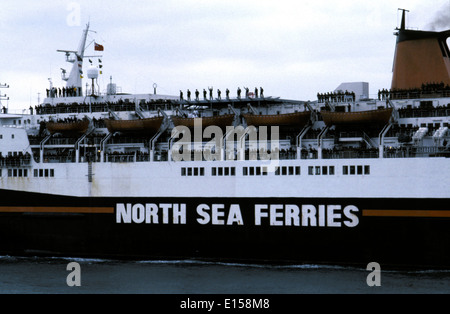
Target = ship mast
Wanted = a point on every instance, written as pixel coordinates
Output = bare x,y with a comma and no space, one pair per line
76,74
403,22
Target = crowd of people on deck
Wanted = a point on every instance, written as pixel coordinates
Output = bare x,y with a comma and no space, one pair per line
426,90
424,111
119,105
258,93
126,105
55,92
15,160
337,96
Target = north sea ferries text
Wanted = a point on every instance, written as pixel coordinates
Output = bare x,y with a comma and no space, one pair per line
306,215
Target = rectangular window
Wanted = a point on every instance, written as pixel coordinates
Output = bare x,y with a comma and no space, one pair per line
252,171
264,171
258,171
345,170
360,169
14,172
233,171
297,170
46,173
277,171
213,171
220,171
195,171
317,170
20,173
324,170
189,171
245,171
310,170
227,171
9,172
331,170
202,171
283,171
352,169
41,172
366,169
291,170
25,173
35,172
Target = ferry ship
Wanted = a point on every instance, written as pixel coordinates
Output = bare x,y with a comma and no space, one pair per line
343,179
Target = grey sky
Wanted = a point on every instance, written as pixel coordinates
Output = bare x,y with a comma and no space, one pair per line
292,48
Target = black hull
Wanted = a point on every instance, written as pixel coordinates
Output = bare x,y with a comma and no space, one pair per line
416,234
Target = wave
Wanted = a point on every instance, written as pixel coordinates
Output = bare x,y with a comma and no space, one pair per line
199,262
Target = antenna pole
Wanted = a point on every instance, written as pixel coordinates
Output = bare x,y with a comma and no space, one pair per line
403,23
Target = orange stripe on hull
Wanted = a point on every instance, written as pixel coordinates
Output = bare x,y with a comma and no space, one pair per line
406,213
93,210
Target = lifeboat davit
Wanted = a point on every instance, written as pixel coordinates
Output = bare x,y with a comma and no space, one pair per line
299,119
68,127
372,117
149,125
220,121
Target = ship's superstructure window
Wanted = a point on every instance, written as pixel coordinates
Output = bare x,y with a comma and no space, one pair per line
321,170
17,172
192,171
44,173
288,171
356,170
255,171
223,171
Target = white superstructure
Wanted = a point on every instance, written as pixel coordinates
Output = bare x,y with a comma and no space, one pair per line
405,157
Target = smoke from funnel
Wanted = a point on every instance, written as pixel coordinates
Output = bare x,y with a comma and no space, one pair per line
441,20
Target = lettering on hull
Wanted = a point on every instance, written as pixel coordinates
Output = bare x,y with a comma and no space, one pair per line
306,215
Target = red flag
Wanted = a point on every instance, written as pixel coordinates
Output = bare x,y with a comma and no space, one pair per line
98,47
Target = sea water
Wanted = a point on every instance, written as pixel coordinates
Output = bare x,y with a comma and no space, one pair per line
38,275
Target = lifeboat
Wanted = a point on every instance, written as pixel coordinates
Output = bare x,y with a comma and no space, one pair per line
149,125
220,121
380,116
299,119
68,127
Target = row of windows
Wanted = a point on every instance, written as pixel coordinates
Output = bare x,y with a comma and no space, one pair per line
223,171
258,171
215,171
321,170
358,170
288,171
44,172
1,136
193,171
17,172
254,171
